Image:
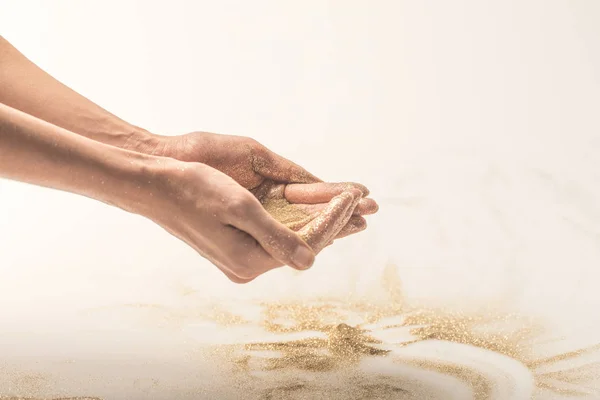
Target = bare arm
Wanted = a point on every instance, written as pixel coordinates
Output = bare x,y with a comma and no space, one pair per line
39,153
198,204
26,87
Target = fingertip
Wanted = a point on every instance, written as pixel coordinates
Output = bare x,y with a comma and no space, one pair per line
359,223
355,225
362,188
376,205
367,207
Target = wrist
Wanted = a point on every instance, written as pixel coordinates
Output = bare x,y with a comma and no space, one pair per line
151,184
137,177
140,141
186,148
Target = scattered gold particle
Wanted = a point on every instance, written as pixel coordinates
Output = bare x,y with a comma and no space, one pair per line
320,347
46,398
339,333
286,213
343,345
479,382
512,340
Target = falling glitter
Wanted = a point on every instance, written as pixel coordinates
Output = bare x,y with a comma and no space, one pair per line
287,213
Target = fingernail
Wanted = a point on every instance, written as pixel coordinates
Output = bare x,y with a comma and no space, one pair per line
303,258
368,206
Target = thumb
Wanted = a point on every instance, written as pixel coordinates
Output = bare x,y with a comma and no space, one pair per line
283,244
277,168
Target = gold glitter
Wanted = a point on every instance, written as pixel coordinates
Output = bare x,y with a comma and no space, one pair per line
344,344
565,356
288,214
469,329
322,347
332,346
481,385
46,398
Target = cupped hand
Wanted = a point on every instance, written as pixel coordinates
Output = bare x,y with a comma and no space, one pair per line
244,159
251,165
229,226
298,206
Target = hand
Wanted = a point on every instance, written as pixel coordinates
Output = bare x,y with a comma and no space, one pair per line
229,226
298,205
251,164
244,159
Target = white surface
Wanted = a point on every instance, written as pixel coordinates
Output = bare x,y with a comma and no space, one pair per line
475,125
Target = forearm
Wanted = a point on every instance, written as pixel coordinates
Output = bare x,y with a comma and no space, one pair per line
39,153
26,87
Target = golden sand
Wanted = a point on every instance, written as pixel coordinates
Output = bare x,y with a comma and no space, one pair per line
322,341
288,214
333,346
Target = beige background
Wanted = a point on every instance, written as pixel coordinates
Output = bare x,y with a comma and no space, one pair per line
474,123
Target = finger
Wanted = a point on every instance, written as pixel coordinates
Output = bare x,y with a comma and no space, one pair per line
279,241
355,225
217,259
246,259
268,189
364,207
321,192
242,258
273,166
330,222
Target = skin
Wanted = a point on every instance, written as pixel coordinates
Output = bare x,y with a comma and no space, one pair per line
296,196
26,87
201,187
252,165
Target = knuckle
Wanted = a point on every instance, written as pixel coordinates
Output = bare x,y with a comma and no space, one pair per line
256,148
252,142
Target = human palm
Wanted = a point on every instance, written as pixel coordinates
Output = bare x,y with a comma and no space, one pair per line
289,192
